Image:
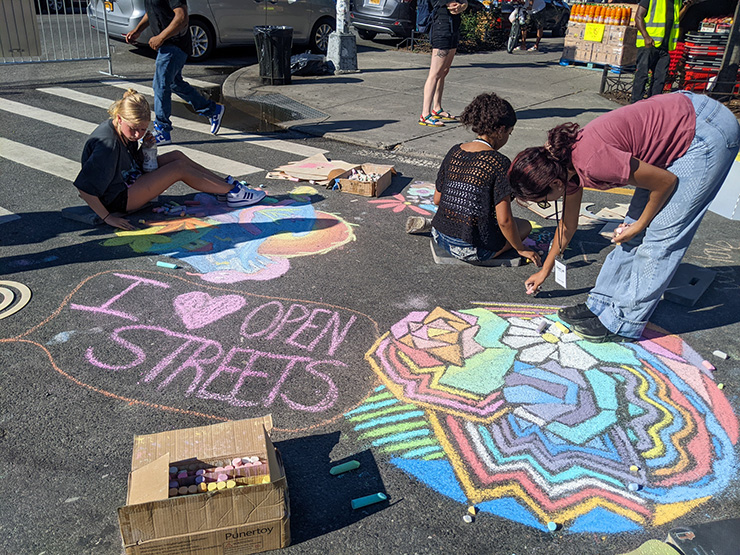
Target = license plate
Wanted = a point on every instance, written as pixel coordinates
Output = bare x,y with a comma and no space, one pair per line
108,6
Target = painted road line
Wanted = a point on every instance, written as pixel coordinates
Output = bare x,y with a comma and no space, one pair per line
7,216
149,91
198,127
38,159
212,162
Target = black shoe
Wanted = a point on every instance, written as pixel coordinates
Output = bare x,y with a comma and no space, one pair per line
572,315
593,330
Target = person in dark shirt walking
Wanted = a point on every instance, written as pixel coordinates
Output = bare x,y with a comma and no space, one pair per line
168,20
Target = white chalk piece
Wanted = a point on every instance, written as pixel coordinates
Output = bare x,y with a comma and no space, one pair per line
720,354
633,486
468,519
552,526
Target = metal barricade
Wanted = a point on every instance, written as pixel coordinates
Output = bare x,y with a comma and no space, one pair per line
46,31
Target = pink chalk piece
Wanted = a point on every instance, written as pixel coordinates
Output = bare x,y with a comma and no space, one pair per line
173,492
193,489
228,468
182,490
218,469
236,462
222,477
708,365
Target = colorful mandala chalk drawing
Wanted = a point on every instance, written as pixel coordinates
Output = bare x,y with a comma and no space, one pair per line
539,428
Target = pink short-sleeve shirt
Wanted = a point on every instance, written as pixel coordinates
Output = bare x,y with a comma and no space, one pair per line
658,131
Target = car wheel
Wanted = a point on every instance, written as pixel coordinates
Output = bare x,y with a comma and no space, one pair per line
203,39
320,35
366,35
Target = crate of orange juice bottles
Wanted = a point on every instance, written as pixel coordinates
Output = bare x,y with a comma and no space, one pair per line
601,34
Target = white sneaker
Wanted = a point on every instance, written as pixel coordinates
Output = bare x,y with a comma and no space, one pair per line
244,197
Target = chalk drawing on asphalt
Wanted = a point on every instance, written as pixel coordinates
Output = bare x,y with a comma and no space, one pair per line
253,243
182,345
482,408
13,297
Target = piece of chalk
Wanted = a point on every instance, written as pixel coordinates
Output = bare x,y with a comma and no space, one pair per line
708,365
720,386
468,518
542,326
182,490
142,221
550,338
561,327
193,489
473,510
344,467
552,526
368,500
720,354
633,486
213,486
634,468
166,264
173,492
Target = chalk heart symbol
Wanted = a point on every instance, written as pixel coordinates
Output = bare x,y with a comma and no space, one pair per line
199,309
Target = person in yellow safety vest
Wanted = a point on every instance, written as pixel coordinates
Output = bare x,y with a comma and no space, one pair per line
657,21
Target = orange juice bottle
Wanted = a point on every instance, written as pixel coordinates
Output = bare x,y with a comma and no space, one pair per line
579,12
574,14
600,14
609,18
591,13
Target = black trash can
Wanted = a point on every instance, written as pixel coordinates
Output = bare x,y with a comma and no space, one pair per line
274,44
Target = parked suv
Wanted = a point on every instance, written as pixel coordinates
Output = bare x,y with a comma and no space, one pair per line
395,17
216,23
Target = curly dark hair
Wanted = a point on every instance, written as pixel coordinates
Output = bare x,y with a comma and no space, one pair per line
534,169
487,113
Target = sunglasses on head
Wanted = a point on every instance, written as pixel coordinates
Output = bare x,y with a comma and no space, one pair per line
544,204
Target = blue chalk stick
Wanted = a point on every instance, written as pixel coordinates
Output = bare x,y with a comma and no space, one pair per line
166,264
345,467
368,500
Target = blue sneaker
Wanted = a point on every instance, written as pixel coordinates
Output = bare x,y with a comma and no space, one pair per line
244,197
216,118
162,136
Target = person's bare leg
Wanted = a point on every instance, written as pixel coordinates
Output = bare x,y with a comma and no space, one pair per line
436,71
153,184
540,31
524,228
437,99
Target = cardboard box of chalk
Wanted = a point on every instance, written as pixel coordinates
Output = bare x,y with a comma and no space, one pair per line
247,511
368,188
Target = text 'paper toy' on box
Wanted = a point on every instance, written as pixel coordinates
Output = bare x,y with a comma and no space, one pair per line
249,516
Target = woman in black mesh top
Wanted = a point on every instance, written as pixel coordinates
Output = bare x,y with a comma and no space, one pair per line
474,222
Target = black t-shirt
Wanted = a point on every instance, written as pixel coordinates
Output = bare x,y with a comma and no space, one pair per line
108,166
668,21
161,13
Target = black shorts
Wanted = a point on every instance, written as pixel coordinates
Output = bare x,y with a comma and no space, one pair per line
445,31
119,203
538,20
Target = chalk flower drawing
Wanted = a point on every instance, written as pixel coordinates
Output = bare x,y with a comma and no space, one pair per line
532,427
421,193
397,203
254,243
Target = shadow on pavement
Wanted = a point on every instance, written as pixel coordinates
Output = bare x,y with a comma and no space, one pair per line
319,502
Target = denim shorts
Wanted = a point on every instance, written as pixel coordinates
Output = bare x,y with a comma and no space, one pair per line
460,249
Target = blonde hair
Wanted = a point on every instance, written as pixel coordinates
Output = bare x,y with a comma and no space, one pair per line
133,107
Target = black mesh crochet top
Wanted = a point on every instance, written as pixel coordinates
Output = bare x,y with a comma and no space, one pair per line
471,185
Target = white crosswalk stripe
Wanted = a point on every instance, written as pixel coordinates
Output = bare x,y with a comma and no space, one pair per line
212,162
39,159
190,125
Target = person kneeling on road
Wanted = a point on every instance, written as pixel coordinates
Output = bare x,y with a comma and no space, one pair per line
112,182
474,222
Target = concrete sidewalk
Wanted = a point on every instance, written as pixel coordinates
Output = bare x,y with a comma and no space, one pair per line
380,105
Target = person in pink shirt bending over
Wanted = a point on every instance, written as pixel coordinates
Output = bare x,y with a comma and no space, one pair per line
676,150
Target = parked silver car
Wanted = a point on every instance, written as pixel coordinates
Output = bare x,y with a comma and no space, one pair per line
216,23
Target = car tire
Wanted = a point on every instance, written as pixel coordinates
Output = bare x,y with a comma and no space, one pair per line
366,35
320,35
203,39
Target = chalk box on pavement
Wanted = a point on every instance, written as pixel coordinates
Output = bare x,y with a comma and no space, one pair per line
368,188
234,521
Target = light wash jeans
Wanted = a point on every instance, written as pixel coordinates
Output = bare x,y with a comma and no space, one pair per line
168,79
635,274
